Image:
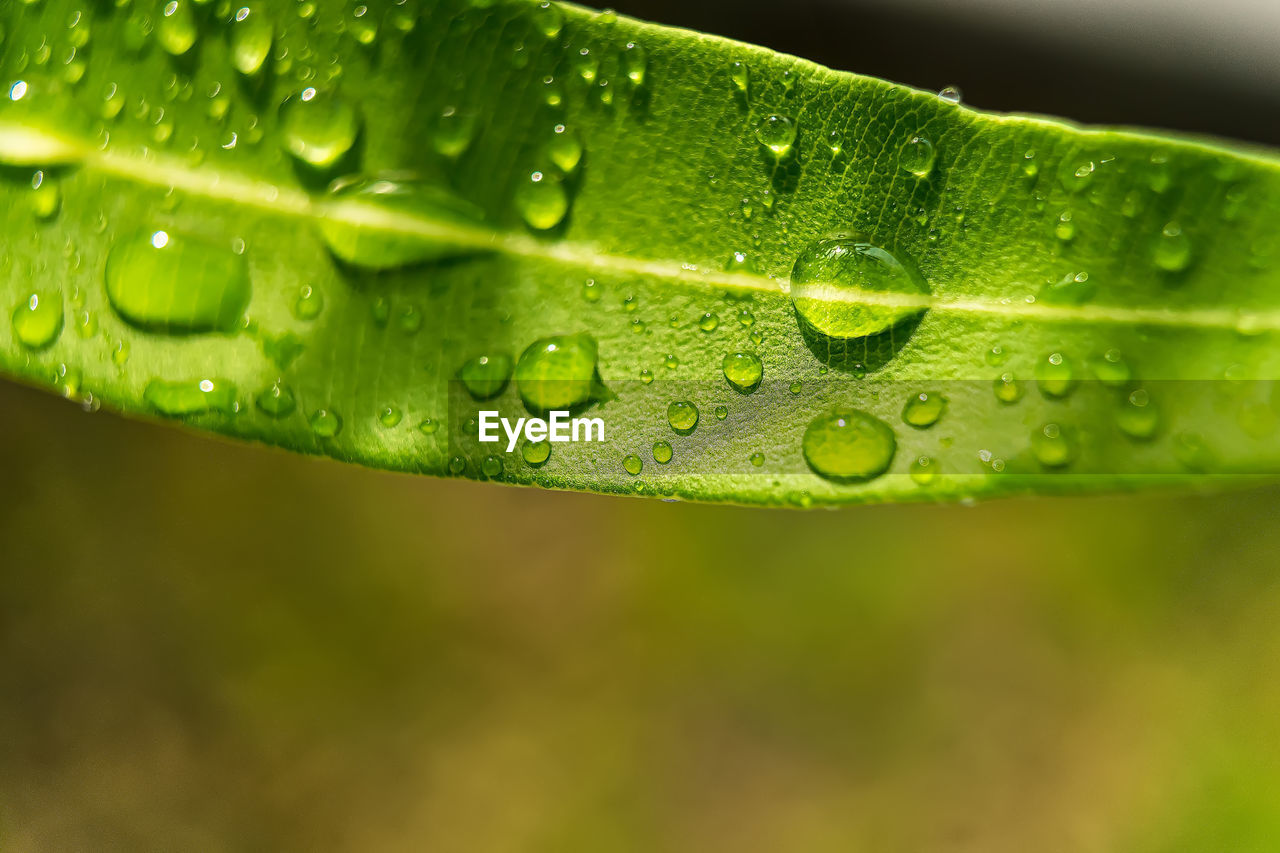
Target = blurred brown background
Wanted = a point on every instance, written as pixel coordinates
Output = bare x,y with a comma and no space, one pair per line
206,646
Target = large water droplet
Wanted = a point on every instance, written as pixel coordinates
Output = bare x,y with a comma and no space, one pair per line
318,128
485,376
542,200
176,31
37,320
378,221
558,373
165,282
325,423
849,446
548,19
250,37
777,134
917,156
682,416
565,148
632,464
743,371
831,277
662,452
535,453
1055,376
193,397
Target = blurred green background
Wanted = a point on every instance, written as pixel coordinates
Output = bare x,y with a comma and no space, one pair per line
209,646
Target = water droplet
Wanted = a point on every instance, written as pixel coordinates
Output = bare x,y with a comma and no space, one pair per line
1071,289
1173,249
661,452
743,371
194,397
318,127
1054,375
535,453
46,198
453,134
923,470
1051,446
586,64
1065,229
997,355
491,466
485,376
632,464
740,262
708,322
565,148
429,426
361,214
277,401
740,74
558,373
671,362
646,376
830,277
542,201
756,459
165,282
835,142
457,465
390,416
924,409
591,290
795,388
1137,416
40,125
548,19
848,446
37,320
777,134
308,304
1112,370
325,423
176,30
951,95
917,156
250,37
683,417
363,26
1007,388
635,59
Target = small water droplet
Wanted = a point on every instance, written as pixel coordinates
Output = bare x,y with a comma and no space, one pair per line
848,446
923,470
37,320
454,132
276,401
325,423
740,74
429,426
1055,376
951,95
923,410
997,355
756,459
318,128
661,452
632,464
646,376
390,416
682,416
166,282
777,133
176,30
1065,229
1052,446
46,198
1007,388
548,19
1137,416
1172,251
491,466
743,371
1112,370
308,304
250,37
671,362
487,375
457,465
558,373
635,59
708,322
195,397
542,200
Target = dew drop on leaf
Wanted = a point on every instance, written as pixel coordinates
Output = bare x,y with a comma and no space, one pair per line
565,148
165,282
743,371
1055,376
368,220
722,412
176,30
548,19
1172,251
250,36
1112,370
777,133
453,134
635,59
1007,389
708,322
923,410
37,320
632,464
325,423
542,200
1137,416
535,453
662,452
194,397
429,426
557,373
390,416
40,125
318,127
491,466
277,401
486,376
848,446
830,277
923,470
756,459
1051,446
682,416
951,95
740,74
308,304
917,156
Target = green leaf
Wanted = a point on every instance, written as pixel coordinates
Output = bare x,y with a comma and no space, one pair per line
348,230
